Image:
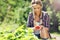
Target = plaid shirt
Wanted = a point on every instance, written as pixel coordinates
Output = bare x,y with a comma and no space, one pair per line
45,19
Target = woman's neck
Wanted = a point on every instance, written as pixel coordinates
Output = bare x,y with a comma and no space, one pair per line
38,14
37,17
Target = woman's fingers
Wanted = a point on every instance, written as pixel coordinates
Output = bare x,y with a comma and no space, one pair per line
46,28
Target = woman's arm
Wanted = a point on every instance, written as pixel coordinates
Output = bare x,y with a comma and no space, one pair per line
47,21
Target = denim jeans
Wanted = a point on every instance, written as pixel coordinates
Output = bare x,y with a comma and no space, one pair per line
38,35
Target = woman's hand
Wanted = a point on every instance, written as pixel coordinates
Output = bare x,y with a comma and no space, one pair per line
46,28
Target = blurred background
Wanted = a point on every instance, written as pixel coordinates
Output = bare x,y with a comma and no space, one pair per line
14,14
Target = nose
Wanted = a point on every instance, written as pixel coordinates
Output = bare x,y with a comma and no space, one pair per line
37,9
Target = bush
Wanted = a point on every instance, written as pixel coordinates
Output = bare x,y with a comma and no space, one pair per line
21,33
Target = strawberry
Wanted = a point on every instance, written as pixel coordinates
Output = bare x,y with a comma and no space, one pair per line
38,27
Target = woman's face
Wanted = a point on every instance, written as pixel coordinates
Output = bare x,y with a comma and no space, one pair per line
37,8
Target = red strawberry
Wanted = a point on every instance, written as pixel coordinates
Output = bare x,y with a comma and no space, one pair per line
38,27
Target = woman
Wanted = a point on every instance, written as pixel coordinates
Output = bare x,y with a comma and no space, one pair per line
38,18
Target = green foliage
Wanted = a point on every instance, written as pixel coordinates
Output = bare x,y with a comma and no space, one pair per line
15,11
21,33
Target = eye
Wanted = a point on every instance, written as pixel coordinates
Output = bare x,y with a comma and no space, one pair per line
34,8
38,7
